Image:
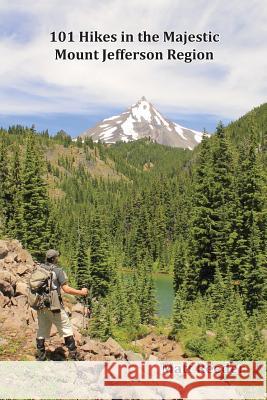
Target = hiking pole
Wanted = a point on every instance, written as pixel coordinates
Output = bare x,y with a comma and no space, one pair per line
90,305
84,304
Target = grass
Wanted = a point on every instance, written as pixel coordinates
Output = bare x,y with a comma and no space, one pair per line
162,326
11,348
126,338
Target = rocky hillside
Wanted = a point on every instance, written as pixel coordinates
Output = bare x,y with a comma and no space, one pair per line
18,322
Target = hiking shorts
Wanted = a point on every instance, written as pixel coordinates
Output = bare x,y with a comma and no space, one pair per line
61,320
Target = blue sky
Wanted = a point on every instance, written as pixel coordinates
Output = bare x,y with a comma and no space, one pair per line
77,123
35,89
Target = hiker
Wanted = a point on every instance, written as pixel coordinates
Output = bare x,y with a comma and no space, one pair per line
56,315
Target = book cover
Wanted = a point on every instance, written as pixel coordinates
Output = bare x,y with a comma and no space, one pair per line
133,195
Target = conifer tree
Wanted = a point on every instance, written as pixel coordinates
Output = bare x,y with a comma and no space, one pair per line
35,200
119,300
254,284
150,302
16,222
179,308
222,198
100,325
180,264
100,270
221,292
213,209
53,227
202,259
83,277
143,281
132,317
251,240
159,232
5,195
140,246
3,173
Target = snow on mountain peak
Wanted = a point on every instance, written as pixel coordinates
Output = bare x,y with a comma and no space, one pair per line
141,110
143,120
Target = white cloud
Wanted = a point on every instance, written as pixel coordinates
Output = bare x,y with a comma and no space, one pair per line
230,86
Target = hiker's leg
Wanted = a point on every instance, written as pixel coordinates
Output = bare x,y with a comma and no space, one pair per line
71,345
44,327
63,324
44,323
40,345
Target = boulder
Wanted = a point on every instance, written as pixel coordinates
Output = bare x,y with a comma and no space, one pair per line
13,301
109,358
21,301
14,322
131,356
166,347
78,308
24,257
152,358
14,245
7,276
3,301
3,249
6,288
155,347
78,321
22,269
68,311
78,338
9,259
91,346
88,356
21,288
113,345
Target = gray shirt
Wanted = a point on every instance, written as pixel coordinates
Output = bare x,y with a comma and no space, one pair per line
60,277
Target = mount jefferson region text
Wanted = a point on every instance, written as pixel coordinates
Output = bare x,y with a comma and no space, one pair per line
123,55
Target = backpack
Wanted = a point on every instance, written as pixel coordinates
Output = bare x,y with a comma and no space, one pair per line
41,291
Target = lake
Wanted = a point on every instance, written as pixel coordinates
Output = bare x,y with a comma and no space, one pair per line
164,294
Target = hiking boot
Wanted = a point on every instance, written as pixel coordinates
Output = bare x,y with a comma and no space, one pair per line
71,345
75,356
40,345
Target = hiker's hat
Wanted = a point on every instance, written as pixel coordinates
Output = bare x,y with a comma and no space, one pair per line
51,253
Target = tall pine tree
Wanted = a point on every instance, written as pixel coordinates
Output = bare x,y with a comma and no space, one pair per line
35,200
100,269
202,257
83,278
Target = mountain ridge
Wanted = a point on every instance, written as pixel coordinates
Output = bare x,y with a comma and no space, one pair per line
142,120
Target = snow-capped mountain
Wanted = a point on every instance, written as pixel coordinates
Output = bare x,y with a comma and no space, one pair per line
143,120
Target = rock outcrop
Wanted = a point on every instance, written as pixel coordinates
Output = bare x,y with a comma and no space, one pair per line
157,347
15,266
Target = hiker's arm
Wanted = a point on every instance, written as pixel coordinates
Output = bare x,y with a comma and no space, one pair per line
69,290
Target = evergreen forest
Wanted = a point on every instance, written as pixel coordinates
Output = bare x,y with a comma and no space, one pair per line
120,213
